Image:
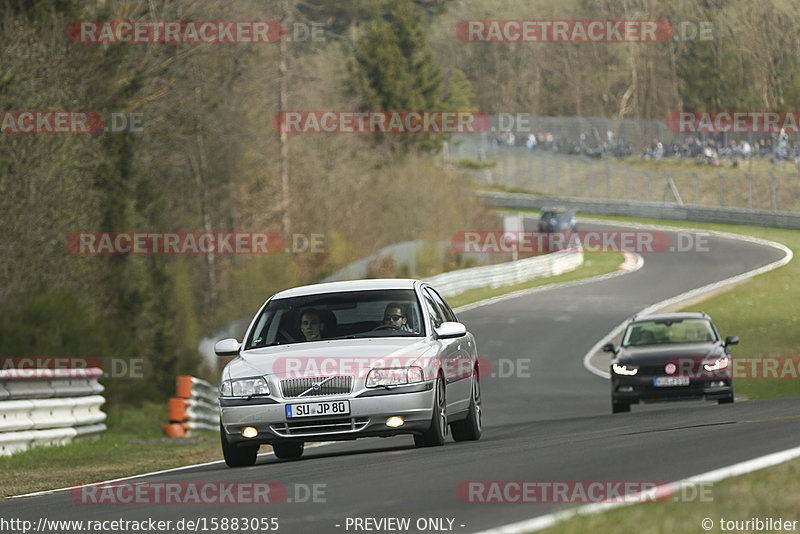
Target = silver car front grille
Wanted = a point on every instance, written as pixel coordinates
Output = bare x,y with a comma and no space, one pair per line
317,386
329,426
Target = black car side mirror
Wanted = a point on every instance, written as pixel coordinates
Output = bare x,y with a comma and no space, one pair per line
731,340
608,347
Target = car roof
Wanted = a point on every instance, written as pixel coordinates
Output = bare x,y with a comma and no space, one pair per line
675,315
348,285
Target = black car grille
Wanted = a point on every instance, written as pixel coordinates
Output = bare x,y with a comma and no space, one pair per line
654,370
326,385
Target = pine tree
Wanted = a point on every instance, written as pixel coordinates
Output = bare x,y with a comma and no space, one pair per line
395,70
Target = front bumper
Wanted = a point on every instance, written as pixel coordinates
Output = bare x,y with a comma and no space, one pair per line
634,389
369,411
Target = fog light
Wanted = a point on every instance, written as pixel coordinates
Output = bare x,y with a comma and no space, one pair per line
718,384
625,389
394,421
249,432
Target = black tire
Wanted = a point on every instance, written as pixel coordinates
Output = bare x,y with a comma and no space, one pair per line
237,456
470,429
620,407
288,450
436,433
726,400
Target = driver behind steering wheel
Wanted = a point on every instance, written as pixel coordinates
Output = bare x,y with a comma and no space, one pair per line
394,316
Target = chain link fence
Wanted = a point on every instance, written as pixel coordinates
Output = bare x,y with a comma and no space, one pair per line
633,160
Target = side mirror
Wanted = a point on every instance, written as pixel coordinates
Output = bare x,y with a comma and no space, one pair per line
450,330
227,347
731,340
608,347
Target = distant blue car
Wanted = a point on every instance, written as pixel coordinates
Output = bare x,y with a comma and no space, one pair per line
557,219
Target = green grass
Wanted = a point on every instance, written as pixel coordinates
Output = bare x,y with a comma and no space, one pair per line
133,444
770,492
467,163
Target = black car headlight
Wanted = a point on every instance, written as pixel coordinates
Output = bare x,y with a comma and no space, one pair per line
716,364
244,387
624,370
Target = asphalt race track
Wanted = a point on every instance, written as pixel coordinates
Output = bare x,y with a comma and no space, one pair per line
549,421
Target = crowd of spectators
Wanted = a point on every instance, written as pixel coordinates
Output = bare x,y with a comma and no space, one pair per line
711,149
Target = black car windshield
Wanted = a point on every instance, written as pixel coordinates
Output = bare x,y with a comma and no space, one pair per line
557,214
669,331
345,315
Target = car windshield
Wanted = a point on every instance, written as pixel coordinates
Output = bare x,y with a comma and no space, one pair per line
355,314
670,331
554,214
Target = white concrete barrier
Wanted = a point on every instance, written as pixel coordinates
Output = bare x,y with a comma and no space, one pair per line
503,274
42,407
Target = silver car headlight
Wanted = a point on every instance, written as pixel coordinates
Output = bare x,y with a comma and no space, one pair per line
624,370
397,376
244,387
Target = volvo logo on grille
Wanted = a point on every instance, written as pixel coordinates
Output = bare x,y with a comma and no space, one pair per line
315,385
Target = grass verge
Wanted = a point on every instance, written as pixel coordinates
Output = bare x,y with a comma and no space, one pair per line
133,444
769,493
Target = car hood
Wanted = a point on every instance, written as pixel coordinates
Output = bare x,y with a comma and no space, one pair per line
332,357
661,354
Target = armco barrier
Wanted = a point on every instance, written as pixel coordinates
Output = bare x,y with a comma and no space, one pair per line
44,407
194,407
648,210
502,274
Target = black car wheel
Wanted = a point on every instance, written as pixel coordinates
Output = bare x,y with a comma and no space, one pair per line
470,428
287,451
436,433
620,407
237,456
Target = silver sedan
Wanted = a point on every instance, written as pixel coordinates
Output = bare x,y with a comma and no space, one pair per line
346,360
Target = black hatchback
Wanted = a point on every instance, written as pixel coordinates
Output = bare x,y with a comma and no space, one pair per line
557,219
670,357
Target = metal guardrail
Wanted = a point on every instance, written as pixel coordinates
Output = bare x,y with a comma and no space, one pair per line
649,210
502,274
42,407
194,407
